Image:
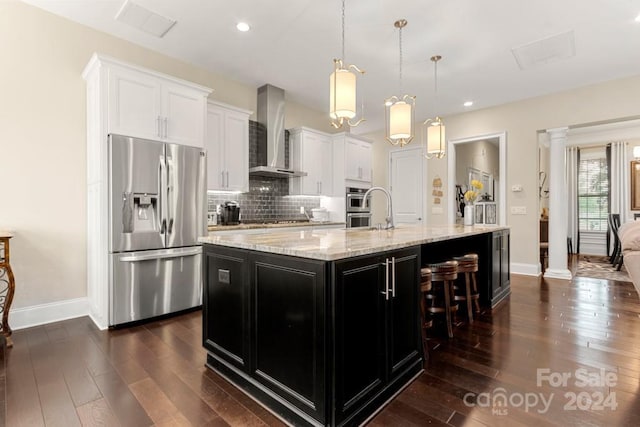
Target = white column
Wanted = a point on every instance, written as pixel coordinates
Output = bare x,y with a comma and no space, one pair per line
557,206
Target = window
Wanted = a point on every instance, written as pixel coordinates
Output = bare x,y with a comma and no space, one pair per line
593,192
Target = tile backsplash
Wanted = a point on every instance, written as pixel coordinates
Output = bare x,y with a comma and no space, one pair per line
268,198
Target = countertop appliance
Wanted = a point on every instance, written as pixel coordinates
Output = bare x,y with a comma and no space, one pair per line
319,215
230,213
357,214
157,208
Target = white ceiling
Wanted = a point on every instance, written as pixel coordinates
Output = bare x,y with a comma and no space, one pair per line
293,42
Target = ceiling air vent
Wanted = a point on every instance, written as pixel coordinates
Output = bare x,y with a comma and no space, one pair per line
144,19
545,51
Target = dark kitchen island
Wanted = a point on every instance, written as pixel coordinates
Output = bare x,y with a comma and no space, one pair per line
322,326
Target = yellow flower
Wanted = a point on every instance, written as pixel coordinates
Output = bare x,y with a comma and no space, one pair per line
476,184
470,195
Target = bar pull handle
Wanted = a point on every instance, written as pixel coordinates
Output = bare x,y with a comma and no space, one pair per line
158,131
163,227
386,280
166,127
393,277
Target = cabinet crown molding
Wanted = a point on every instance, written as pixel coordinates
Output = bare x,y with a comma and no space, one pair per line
98,60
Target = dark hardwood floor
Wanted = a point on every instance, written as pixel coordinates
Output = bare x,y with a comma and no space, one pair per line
69,373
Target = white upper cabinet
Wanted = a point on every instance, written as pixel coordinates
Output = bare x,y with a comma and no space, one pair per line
357,159
227,145
310,152
352,160
146,104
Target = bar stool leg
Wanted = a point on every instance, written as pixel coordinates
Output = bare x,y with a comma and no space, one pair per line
475,291
467,283
447,305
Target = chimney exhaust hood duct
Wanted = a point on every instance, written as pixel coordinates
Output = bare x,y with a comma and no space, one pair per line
270,113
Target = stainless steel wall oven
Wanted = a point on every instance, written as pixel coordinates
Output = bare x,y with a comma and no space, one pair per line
356,213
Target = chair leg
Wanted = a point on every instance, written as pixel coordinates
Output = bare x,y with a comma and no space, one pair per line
467,283
447,307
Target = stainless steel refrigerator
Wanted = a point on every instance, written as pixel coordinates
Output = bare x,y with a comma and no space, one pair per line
157,205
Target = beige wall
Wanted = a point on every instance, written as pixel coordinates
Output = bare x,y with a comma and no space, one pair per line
609,101
42,141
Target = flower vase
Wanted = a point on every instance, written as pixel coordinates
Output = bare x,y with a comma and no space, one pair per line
468,214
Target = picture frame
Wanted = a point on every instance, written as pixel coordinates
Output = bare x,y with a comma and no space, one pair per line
479,214
490,213
635,185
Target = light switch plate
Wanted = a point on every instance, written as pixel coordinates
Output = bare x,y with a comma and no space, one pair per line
518,210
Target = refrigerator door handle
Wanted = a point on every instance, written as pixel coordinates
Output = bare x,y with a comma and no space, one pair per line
171,226
138,256
162,216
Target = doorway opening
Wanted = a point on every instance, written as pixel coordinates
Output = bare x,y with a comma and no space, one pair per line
483,157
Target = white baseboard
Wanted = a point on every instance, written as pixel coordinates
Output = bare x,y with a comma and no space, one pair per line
525,269
26,317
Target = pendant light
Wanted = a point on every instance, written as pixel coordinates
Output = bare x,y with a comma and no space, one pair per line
400,110
342,90
433,129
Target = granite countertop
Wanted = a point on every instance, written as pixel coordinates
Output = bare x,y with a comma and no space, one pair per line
332,244
253,226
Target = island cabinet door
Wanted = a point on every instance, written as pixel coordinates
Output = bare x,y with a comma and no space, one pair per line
500,272
225,305
360,353
288,330
404,317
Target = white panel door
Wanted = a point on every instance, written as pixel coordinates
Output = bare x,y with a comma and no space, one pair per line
134,104
407,185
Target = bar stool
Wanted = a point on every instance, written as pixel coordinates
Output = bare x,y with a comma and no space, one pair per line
468,264
441,295
427,323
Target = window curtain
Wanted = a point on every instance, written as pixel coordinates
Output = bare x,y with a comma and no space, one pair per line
573,160
619,180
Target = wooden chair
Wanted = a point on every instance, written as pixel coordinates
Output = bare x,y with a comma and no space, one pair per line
616,256
544,243
467,265
426,322
441,298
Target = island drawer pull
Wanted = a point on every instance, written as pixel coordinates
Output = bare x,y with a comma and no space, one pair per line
393,277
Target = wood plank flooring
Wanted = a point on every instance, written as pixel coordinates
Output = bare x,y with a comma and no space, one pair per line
70,373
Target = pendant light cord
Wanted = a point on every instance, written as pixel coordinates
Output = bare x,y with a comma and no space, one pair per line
343,58
400,42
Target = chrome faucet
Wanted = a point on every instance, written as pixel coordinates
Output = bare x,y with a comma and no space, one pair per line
389,218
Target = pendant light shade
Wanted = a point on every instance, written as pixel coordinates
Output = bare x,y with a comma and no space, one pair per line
400,111
342,103
342,90
433,129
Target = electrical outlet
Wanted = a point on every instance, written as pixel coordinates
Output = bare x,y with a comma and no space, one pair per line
518,210
302,210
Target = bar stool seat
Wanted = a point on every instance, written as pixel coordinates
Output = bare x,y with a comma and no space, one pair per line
468,264
440,297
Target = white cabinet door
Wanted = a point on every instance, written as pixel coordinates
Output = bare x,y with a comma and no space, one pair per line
227,145
236,151
357,160
134,104
183,115
213,145
311,152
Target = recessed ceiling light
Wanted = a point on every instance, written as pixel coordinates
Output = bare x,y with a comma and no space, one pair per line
243,26
468,104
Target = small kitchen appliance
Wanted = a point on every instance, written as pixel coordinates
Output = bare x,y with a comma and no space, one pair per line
231,213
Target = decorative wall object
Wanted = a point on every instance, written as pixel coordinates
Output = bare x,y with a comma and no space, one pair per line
437,192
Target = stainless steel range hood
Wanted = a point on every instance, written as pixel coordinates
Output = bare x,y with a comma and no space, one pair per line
271,114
